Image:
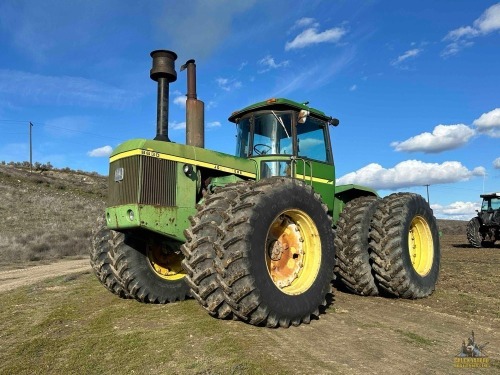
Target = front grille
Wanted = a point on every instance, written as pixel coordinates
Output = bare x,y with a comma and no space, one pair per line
146,180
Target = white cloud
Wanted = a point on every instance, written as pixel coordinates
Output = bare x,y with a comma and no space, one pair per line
456,210
461,32
488,22
410,173
496,163
455,47
443,137
303,22
174,125
180,100
405,56
100,152
489,123
353,88
213,124
210,104
269,63
227,84
313,36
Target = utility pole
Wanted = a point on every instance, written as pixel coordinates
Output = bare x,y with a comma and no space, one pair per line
427,186
31,149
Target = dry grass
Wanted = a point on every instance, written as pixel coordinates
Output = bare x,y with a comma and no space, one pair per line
47,215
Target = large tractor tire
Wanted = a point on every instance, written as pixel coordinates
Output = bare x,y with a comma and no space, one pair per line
275,256
104,242
405,246
473,234
151,270
352,244
199,251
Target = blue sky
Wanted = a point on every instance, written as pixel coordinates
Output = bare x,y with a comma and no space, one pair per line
414,84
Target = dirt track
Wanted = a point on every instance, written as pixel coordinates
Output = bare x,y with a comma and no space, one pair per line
26,276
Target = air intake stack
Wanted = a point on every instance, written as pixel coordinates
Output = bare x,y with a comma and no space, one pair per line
163,72
195,117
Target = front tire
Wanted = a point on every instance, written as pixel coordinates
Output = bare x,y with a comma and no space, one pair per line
473,234
102,257
405,246
276,257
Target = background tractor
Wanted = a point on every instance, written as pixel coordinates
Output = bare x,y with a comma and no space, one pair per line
484,229
257,236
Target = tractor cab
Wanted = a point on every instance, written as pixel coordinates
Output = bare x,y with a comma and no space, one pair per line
286,138
290,139
491,202
490,209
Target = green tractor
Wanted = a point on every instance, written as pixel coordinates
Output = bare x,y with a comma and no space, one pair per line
261,235
484,229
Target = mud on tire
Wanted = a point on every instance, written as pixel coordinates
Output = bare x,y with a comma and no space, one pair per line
405,246
102,253
275,256
142,281
352,246
199,250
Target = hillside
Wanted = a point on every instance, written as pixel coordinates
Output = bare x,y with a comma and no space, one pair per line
47,215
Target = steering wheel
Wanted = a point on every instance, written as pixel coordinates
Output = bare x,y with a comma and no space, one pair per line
265,150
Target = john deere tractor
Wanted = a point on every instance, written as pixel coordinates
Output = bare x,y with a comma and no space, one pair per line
258,236
484,229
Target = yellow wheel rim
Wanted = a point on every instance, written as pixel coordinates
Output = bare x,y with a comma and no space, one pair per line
293,252
421,245
165,262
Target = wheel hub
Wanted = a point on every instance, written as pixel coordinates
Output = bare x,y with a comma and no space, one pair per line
421,246
165,262
285,252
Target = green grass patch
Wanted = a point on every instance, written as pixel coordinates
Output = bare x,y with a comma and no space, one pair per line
74,326
415,339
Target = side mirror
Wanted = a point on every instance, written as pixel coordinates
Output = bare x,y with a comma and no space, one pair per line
333,121
303,116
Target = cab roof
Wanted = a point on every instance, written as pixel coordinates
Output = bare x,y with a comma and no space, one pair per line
278,104
490,195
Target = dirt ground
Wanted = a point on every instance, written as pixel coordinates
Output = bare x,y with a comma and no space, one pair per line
16,278
376,335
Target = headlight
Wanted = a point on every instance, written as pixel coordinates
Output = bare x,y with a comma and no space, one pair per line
188,169
130,215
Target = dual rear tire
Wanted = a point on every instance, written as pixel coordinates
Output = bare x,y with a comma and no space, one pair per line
388,246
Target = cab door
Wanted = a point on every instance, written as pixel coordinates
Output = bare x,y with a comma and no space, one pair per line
314,161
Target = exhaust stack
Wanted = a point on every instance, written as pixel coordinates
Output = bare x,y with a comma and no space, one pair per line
195,112
163,72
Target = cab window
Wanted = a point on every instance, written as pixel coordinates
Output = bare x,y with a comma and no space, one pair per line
311,142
